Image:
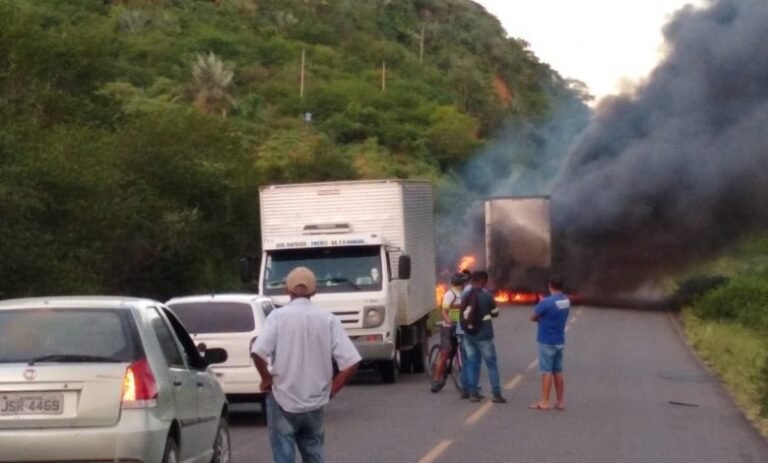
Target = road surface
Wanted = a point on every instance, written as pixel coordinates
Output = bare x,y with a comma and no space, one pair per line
634,393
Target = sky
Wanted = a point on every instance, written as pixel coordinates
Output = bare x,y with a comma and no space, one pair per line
607,44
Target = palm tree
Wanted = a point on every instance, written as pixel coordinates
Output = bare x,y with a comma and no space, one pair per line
212,79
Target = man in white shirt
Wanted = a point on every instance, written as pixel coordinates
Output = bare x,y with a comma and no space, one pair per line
302,340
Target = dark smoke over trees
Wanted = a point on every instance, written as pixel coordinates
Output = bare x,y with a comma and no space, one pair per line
675,172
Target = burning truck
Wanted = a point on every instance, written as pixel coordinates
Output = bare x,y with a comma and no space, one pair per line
518,247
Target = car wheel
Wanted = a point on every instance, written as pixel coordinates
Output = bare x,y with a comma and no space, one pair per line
221,446
171,454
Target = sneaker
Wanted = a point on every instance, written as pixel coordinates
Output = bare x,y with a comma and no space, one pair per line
464,395
476,398
498,399
436,387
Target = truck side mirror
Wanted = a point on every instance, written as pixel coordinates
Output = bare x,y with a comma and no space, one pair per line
404,267
246,269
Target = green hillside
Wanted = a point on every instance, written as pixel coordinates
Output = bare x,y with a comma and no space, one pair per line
134,134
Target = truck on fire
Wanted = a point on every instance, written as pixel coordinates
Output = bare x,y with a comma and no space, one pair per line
518,245
371,246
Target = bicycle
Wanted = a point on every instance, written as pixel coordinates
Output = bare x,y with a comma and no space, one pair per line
453,365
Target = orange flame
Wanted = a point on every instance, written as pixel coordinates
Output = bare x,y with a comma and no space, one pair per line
505,297
467,262
439,293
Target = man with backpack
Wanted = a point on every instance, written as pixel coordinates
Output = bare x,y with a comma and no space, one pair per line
450,310
477,309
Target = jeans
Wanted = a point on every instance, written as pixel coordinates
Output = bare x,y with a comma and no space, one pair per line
551,358
477,349
289,430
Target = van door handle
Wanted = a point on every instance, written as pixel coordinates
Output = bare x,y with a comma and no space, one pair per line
200,384
177,383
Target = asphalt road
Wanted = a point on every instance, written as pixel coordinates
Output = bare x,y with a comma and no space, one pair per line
634,393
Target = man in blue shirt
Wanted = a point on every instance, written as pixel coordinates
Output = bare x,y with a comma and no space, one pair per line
551,314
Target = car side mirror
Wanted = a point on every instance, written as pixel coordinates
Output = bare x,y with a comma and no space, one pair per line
215,355
404,267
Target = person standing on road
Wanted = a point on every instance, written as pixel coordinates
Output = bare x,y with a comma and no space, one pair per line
551,314
479,345
449,341
303,341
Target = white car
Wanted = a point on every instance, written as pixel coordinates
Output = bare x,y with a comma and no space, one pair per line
231,322
106,379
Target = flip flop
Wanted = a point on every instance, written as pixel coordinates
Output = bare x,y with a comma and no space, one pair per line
537,406
560,407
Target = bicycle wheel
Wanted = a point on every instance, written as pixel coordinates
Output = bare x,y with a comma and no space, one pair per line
455,370
434,352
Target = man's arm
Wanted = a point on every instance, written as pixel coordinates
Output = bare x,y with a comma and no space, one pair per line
346,356
343,378
494,308
538,311
266,376
447,302
264,347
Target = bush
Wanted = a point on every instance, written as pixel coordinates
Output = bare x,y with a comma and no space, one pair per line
696,286
744,300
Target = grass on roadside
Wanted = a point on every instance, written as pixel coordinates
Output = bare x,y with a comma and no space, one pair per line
738,355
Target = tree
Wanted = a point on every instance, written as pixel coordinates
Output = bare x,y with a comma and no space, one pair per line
212,80
452,136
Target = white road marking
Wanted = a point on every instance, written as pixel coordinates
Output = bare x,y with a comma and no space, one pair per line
435,453
532,365
475,417
513,382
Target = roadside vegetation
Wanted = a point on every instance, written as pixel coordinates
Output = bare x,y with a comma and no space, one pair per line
134,134
726,321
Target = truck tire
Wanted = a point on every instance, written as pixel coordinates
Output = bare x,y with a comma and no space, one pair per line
389,370
420,350
419,357
406,361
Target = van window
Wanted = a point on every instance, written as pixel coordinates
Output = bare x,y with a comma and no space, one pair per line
214,317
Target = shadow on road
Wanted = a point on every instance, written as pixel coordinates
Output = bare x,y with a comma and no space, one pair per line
246,415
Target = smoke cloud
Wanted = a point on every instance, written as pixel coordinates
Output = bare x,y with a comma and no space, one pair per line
676,172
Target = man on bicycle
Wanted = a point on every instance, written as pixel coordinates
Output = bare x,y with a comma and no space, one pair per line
449,342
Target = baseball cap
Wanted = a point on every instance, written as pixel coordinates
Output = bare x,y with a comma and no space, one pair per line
301,281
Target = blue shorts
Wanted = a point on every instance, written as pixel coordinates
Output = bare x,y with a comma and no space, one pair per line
551,358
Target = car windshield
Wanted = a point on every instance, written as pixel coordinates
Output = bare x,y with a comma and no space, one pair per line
68,335
214,317
342,269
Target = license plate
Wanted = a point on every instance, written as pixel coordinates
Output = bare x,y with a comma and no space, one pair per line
31,403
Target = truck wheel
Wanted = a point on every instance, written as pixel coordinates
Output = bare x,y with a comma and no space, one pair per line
406,361
419,356
389,370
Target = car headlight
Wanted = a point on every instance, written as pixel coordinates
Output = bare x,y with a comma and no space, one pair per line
373,316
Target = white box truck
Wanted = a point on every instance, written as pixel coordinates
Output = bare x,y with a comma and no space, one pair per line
371,245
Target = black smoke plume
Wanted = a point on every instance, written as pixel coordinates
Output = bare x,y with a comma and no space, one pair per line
676,172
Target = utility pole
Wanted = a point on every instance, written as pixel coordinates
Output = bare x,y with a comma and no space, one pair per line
301,78
421,46
383,76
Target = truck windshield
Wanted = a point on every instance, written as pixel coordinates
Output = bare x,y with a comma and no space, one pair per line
342,269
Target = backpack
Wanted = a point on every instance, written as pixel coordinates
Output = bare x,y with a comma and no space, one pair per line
471,317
